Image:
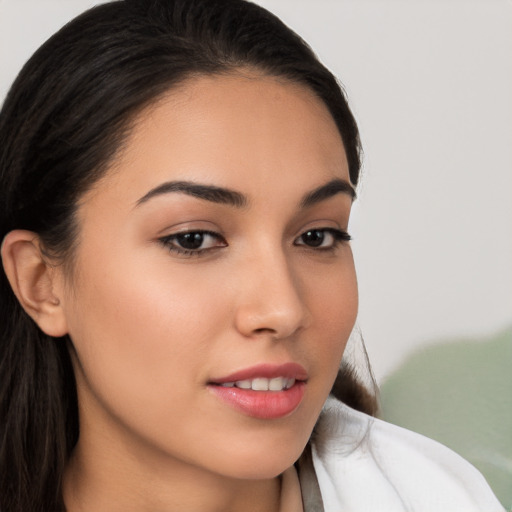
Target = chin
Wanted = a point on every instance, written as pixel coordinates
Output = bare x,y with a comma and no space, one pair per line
266,469
263,459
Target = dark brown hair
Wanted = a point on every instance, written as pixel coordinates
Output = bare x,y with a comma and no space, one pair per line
64,119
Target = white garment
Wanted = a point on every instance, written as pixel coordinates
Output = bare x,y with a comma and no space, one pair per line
363,464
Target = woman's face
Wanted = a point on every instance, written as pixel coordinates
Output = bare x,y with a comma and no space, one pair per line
213,251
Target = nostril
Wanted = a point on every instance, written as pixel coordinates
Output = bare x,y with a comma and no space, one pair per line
265,330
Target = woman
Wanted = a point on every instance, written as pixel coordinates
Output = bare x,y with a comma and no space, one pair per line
178,285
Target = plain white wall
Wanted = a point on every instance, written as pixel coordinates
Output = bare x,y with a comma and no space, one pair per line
429,82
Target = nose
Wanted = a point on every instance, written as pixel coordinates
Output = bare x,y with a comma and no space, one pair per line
270,300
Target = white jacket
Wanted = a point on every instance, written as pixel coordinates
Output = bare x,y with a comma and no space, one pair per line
362,464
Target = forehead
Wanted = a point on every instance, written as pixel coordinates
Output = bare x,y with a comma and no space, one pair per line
241,131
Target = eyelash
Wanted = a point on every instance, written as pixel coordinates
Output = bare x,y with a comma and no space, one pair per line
170,241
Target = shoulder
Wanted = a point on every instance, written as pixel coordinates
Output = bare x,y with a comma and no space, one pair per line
365,464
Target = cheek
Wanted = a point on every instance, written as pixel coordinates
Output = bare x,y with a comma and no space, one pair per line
332,298
331,294
138,334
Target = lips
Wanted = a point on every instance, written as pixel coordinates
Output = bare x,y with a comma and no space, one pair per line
267,371
264,391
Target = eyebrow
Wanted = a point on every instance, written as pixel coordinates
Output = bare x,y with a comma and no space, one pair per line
207,192
330,189
229,197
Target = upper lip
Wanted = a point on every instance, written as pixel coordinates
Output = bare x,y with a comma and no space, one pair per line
268,371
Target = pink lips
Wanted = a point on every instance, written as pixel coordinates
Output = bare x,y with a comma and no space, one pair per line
263,404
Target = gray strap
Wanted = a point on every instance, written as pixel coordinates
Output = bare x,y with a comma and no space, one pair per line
311,496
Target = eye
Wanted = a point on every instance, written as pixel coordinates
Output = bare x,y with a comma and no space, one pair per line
193,242
325,238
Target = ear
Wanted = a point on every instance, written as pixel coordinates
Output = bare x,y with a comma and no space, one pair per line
34,280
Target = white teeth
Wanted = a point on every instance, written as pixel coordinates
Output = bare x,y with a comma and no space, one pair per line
262,384
277,384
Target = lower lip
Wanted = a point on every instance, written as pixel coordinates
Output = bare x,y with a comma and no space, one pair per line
262,404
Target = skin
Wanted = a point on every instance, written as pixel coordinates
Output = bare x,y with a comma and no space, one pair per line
151,327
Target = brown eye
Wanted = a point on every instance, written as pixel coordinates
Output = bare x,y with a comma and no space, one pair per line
193,242
327,238
314,238
190,241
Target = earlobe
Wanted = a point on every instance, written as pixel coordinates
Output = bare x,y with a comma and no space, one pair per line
32,279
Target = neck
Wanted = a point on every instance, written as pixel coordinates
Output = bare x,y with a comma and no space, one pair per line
111,480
